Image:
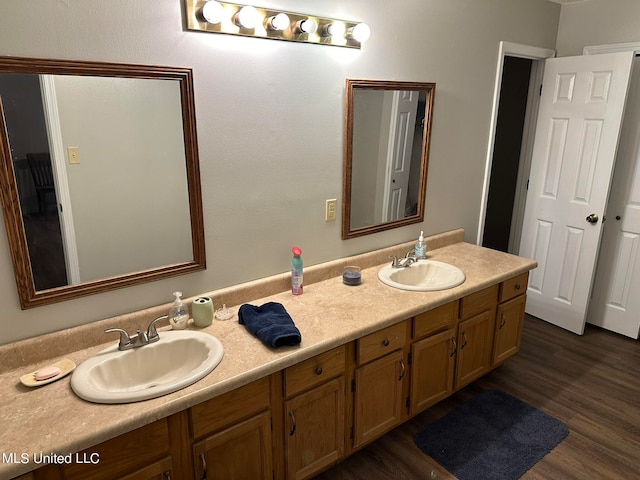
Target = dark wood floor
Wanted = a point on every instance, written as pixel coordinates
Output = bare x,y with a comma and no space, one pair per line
590,382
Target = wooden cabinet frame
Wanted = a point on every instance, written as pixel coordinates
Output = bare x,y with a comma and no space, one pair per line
415,363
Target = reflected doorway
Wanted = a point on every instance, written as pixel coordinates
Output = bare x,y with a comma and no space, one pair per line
23,109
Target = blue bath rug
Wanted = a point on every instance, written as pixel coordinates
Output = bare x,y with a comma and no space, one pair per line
494,436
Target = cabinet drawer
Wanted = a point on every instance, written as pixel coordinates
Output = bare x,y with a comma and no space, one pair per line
513,287
479,302
440,318
382,342
314,371
229,408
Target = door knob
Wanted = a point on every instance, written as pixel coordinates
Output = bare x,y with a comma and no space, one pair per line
593,218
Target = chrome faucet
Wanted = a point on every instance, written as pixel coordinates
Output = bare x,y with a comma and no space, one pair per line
407,261
140,339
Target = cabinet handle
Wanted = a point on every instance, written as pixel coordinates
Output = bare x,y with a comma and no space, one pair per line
385,342
455,346
403,370
503,321
319,371
464,340
292,430
167,474
517,286
204,467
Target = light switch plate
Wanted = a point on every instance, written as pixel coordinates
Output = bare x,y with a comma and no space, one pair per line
74,155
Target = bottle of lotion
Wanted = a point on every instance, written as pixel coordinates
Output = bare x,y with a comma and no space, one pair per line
296,271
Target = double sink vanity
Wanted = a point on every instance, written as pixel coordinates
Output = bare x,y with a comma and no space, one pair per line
371,357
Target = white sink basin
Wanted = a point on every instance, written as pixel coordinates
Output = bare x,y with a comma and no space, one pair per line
175,361
422,276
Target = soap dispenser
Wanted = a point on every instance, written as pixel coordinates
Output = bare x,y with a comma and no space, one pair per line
178,314
421,247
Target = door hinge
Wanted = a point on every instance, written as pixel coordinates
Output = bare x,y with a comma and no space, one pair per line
353,386
351,433
60,207
540,90
527,187
271,421
408,403
409,358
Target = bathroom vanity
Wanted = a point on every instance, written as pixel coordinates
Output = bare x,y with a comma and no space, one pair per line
371,357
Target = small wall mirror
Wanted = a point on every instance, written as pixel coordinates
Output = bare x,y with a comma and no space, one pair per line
100,176
388,127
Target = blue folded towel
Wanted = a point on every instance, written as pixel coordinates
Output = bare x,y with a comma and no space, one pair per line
271,323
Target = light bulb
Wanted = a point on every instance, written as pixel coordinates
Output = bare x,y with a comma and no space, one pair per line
335,30
308,26
361,32
279,22
248,17
212,12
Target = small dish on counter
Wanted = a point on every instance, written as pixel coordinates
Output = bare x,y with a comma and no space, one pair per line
65,365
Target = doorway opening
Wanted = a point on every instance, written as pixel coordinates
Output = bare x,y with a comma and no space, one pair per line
507,150
515,109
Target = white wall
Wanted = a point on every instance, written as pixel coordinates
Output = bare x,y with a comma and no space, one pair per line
597,22
270,123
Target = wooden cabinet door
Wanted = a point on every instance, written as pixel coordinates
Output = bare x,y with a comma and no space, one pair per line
432,369
116,458
161,470
239,452
509,322
314,430
475,337
378,397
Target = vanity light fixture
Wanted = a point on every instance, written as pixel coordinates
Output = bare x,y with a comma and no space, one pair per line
250,21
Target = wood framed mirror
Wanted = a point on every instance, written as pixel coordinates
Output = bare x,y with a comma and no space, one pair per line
100,176
387,134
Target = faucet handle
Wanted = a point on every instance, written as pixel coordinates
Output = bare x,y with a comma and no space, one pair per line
395,262
125,340
152,333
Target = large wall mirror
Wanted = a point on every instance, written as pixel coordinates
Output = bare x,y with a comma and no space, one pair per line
388,127
100,176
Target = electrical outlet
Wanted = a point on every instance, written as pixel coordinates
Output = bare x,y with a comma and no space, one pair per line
330,209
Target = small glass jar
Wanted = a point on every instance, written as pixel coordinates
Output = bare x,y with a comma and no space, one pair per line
351,275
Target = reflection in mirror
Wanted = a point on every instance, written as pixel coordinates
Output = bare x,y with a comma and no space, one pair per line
102,166
388,126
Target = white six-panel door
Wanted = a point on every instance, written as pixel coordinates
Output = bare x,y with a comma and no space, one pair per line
577,135
403,120
615,303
